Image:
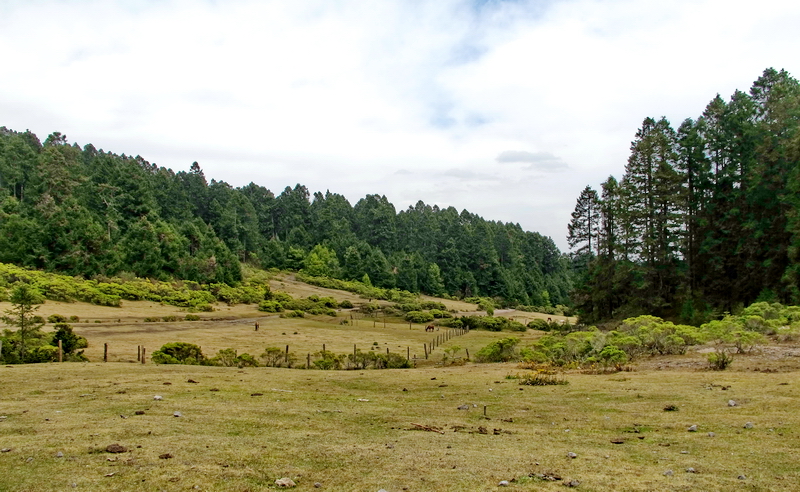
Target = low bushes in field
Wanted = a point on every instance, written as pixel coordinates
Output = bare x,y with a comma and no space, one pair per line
579,346
106,291
490,323
191,354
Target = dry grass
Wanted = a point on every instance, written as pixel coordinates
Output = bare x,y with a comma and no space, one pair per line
310,426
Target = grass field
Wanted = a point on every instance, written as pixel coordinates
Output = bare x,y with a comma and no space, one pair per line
241,429
351,430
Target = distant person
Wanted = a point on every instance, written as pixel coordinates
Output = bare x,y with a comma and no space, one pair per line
256,325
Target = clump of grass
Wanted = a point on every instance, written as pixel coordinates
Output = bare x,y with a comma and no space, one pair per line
671,408
720,360
542,378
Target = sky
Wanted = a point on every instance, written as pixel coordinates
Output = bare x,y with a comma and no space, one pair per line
507,109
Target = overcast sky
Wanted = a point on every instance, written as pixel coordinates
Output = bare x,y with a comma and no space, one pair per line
505,108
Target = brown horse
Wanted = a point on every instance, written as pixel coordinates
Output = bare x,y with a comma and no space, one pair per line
430,328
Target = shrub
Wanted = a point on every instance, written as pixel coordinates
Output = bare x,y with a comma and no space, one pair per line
502,350
42,353
542,378
327,360
293,314
719,360
150,319
346,304
171,318
270,306
192,317
427,305
70,342
410,306
178,353
539,324
369,307
74,319
56,318
419,317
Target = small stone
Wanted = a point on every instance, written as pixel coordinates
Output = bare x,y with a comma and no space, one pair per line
5,450
741,477
177,414
192,381
116,448
691,470
123,416
389,446
572,483
748,425
165,456
158,398
668,473
711,434
684,452
139,412
503,483
362,399
464,407
59,454
317,485
731,403
572,455
285,482
693,428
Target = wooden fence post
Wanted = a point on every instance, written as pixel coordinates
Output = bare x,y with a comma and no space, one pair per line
105,352
408,353
287,354
323,347
60,352
467,353
308,361
424,346
138,353
387,350
144,354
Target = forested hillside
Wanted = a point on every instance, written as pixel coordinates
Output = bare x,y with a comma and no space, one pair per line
705,219
87,212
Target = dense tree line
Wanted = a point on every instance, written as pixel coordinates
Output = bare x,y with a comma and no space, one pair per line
706,218
87,212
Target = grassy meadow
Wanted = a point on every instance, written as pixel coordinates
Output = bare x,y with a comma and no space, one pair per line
241,429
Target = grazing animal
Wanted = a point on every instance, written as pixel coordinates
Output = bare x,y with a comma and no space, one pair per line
430,328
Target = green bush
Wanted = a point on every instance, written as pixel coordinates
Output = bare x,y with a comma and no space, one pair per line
192,317
270,306
428,305
419,317
178,353
539,324
56,318
346,304
171,318
502,350
293,314
70,342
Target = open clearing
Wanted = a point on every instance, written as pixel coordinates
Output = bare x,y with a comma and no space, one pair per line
241,429
352,430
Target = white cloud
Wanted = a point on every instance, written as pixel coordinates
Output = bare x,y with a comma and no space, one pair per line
340,95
